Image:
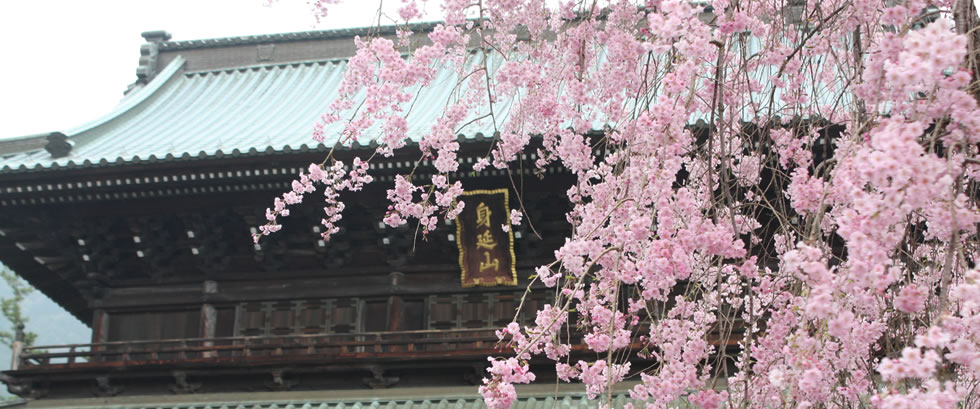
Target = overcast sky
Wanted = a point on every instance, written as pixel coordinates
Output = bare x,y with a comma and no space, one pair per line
66,62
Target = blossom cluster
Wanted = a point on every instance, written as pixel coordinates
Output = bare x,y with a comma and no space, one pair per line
334,179
774,203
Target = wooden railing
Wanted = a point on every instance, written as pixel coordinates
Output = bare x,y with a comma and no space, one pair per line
377,345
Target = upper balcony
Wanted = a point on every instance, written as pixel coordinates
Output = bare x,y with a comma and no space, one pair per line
379,347
314,361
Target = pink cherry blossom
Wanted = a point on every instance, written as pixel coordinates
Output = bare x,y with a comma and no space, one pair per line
784,190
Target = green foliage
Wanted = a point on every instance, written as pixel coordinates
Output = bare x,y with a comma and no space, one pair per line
10,307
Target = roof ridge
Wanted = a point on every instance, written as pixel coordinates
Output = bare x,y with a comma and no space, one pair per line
323,61
291,36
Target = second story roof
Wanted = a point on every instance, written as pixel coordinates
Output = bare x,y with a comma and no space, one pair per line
208,98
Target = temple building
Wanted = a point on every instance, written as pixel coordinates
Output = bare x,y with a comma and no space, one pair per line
138,223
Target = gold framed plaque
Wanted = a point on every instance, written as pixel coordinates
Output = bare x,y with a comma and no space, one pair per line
486,251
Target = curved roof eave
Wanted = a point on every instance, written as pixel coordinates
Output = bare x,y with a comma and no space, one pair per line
27,144
133,101
248,111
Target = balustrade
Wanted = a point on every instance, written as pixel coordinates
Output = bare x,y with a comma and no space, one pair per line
375,345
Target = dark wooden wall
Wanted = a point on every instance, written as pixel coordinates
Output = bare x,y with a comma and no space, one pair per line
129,251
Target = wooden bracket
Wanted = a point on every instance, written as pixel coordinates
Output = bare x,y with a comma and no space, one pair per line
181,386
378,380
24,389
279,382
104,388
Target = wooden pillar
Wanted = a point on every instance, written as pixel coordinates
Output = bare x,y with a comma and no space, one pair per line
395,302
209,317
100,326
16,348
100,332
395,313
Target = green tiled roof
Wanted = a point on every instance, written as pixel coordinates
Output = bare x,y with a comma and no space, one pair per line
261,109
531,397
246,110
435,403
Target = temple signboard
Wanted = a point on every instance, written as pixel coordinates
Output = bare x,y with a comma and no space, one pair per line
486,251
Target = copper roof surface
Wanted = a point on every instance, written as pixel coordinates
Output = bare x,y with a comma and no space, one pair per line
538,396
260,109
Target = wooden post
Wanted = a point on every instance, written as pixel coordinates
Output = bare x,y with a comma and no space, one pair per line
100,333
395,313
395,302
17,348
100,326
209,318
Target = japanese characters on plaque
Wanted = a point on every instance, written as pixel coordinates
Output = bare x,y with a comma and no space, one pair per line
486,251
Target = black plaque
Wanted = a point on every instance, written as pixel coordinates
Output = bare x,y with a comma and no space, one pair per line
486,251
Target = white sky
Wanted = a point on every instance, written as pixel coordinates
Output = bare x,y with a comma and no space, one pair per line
66,62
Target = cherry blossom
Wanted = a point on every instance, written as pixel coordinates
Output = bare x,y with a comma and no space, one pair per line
775,203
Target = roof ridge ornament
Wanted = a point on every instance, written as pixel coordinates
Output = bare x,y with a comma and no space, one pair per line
149,52
58,145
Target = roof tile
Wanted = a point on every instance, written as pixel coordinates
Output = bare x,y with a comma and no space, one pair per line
226,112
